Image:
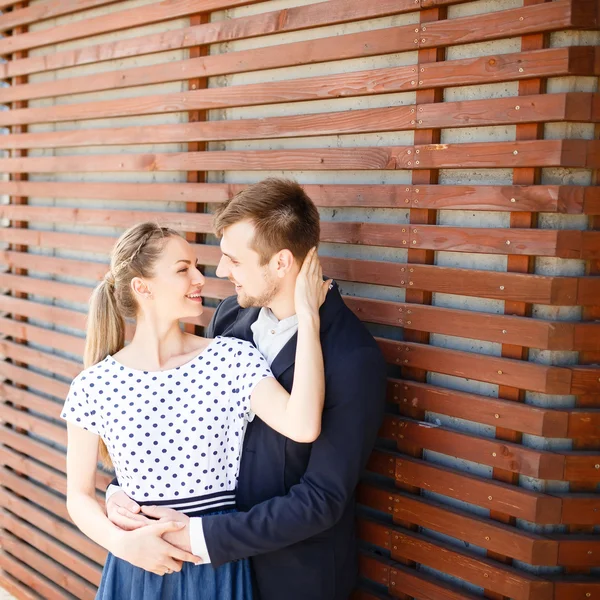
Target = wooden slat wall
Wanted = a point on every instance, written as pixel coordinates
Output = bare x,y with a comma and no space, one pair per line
452,148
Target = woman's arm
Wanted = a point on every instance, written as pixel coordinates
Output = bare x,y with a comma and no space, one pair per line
145,547
298,415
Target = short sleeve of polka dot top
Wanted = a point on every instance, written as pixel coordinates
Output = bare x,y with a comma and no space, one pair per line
174,436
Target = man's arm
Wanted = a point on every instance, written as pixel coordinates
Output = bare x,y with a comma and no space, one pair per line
351,420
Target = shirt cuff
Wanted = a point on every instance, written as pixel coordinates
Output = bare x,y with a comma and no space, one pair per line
197,540
110,490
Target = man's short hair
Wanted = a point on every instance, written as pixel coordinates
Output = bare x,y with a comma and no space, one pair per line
283,215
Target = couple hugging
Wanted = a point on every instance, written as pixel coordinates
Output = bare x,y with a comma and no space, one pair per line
237,455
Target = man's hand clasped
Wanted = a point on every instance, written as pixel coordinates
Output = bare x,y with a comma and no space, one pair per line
153,538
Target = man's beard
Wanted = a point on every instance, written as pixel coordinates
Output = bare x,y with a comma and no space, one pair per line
246,301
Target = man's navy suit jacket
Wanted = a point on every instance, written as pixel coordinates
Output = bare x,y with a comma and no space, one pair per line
296,501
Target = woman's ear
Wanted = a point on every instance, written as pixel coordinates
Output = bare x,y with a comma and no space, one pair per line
140,288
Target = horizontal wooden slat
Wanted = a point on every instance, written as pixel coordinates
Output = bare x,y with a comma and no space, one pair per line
504,539
534,242
573,106
501,371
64,532
195,222
580,509
25,331
413,397
46,10
22,398
578,550
543,198
81,567
502,579
132,17
43,312
23,487
33,379
489,69
53,480
46,566
488,493
532,333
31,578
289,19
584,423
488,451
14,587
581,588
585,378
35,425
50,363
349,46
402,580
561,291
543,153
46,454
583,466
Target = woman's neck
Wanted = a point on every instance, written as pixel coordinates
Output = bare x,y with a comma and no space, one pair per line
155,344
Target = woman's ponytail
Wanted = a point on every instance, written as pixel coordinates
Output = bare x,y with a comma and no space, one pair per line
105,335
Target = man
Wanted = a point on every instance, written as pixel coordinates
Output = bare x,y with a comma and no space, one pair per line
295,501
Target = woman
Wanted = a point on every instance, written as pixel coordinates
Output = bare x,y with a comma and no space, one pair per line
171,410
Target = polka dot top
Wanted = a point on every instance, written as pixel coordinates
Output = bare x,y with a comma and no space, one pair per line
174,436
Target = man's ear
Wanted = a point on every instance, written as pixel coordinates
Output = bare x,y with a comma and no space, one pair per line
283,262
140,288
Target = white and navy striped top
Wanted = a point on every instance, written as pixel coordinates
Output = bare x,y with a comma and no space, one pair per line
174,436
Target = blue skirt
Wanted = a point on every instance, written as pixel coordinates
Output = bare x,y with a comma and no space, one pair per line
122,581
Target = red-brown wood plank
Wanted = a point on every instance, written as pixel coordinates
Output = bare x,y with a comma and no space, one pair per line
409,395
584,423
62,554
578,550
48,455
46,566
573,106
67,534
490,494
544,153
534,333
28,576
279,21
404,544
489,451
502,371
132,17
353,45
532,242
399,579
504,67
14,587
51,363
580,588
43,11
531,548
542,198
580,509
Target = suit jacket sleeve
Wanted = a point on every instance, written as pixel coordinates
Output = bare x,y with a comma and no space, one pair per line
351,419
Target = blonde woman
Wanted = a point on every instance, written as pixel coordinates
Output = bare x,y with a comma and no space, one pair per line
169,411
